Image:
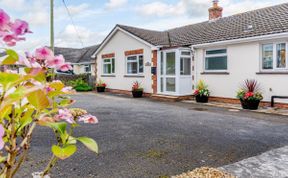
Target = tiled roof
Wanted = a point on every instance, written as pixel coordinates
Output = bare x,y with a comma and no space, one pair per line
74,55
266,21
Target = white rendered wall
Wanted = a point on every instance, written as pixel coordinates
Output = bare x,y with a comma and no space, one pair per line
118,44
243,63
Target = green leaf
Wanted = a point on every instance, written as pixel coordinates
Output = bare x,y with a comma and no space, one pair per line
38,99
7,79
57,85
63,153
12,57
26,119
89,143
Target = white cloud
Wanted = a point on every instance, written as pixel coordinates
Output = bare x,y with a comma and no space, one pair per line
70,37
114,4
15,4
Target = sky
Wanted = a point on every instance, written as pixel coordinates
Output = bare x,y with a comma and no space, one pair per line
94,19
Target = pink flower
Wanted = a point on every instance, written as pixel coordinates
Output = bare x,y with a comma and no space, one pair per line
2,133
48,89
56,61
44,54
65,67
68,90
20,27
4,20
88,119
65,114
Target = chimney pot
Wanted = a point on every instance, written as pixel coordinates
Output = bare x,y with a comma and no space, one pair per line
215,12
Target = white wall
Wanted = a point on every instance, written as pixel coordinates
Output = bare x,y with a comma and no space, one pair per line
243,63
120,43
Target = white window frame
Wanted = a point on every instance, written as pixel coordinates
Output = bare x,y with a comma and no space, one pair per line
103,64
215,55
185,56
138,66
275,68
87,66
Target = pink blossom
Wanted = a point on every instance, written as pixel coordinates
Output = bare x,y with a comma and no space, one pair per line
65,114
20,27
11,39
65,67
2,133
4,20
48,89
44,53
88,119
56,61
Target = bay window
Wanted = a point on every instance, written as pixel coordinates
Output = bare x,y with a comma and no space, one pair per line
109,66
216,60
135,64
274,56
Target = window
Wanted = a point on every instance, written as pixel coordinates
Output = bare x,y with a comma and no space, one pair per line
185,66
135,64
267,56
185,63
216,60
274,56
87,68
109,66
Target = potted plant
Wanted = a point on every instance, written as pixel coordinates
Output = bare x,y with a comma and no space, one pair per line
201,93
137,90
250,95
101,86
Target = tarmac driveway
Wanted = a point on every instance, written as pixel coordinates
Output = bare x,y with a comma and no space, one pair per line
146,138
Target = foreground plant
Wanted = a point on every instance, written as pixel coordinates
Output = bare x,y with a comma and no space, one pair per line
202,93
28,100
250,94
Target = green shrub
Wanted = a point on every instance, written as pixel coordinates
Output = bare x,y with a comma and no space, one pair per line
80,85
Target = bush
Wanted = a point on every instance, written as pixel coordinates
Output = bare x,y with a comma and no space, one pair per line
80,85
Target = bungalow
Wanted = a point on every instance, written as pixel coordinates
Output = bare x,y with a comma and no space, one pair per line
80,59
223,51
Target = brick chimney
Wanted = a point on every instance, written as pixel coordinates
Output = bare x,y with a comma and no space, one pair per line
215,12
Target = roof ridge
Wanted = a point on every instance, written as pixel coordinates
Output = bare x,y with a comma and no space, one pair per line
230,16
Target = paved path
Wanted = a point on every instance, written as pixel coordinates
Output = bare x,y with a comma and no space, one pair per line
272,164
147,139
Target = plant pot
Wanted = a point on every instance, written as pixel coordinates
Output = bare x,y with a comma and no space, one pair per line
100,89
202,99
137,94
250,104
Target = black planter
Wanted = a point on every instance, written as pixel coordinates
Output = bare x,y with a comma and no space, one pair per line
250,104
137,94
100,89
202,99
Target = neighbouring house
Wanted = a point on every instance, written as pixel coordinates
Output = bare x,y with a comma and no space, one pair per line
80,59
223,51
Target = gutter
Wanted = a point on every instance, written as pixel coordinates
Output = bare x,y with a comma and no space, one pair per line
242,40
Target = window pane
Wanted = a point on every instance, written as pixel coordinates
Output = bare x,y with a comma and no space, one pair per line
113,65
87,68
162,64
141,65
107,68
162,85
106,60
132,58
185,66
281,55
267,56
170,84
185,53
132,67
216,63
218,51
170,63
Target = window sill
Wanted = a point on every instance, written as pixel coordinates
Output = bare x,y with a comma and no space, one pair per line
215,73
134,76
272,73
108,75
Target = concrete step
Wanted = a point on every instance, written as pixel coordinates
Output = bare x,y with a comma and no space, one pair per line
169,98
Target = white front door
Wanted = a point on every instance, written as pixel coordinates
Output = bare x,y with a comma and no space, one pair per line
168,80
